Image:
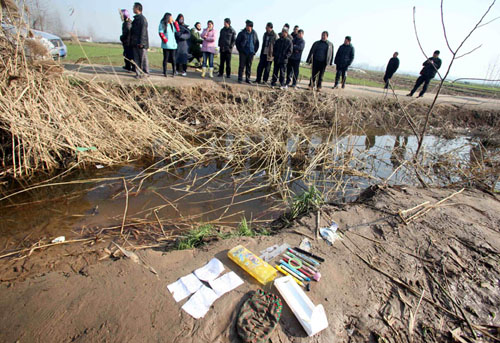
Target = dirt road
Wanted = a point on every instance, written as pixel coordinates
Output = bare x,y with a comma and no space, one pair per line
371,283
117,74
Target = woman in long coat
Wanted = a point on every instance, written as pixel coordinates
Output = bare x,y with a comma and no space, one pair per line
128,51
182,37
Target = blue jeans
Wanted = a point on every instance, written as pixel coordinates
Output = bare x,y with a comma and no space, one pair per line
210,57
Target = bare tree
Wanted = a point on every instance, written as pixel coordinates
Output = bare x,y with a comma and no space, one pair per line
38,14
456,54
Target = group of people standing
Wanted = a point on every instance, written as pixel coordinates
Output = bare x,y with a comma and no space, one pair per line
181,45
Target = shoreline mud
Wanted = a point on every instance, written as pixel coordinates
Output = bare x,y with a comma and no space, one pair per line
372,279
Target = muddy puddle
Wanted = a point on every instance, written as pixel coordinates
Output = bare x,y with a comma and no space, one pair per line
184,197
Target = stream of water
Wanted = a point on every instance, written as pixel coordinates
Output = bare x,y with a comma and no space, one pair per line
211,193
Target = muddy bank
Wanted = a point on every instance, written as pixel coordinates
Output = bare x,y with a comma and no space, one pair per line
372,280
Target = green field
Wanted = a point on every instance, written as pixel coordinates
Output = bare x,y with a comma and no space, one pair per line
111,54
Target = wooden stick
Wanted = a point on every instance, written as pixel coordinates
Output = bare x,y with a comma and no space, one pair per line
318,219
47,246
126,206
429,208
159,223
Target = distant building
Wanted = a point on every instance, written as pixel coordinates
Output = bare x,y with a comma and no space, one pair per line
86,39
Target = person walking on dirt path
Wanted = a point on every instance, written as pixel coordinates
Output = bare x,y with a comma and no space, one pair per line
128,50
182,38
209,36
293,67
139,39
295,31
343,59
321,56
392,67
247,44
167,31
227,39
283,49
431,67
195,44
266,54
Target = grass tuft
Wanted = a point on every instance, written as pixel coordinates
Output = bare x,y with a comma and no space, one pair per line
196,238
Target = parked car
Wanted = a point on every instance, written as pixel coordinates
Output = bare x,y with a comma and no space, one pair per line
54,44
59,50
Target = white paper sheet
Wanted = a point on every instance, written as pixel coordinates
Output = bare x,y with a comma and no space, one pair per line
226,283
199,304
184,287
210,271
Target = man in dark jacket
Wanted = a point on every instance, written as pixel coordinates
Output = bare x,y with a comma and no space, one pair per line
343,59
295,31
321,56
283,49
293,67
247,44
140,41
195,44
227,39
392,67
431,66
266,54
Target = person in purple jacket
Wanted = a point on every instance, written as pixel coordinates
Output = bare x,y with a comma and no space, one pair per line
209,36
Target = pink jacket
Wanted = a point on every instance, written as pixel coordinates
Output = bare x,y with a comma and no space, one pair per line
209,41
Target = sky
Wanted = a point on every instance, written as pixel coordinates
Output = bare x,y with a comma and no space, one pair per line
378,28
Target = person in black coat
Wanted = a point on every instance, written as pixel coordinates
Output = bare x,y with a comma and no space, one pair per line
392,67
321,56
227,39
343,59
282,51
139,40
431,66
293,67
247,44
266,54
182,38
128,51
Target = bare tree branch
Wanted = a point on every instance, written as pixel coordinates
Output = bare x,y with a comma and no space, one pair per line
475,27
470,52
429,112
474,79
492,20
416,32
444,28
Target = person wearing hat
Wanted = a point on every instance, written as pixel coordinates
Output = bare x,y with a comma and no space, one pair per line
227,39
195,44
343,59
431,66
321,56
283,49
247,44
128,51
392,67
266,54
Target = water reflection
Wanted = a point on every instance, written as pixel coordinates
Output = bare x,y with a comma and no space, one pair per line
219,192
